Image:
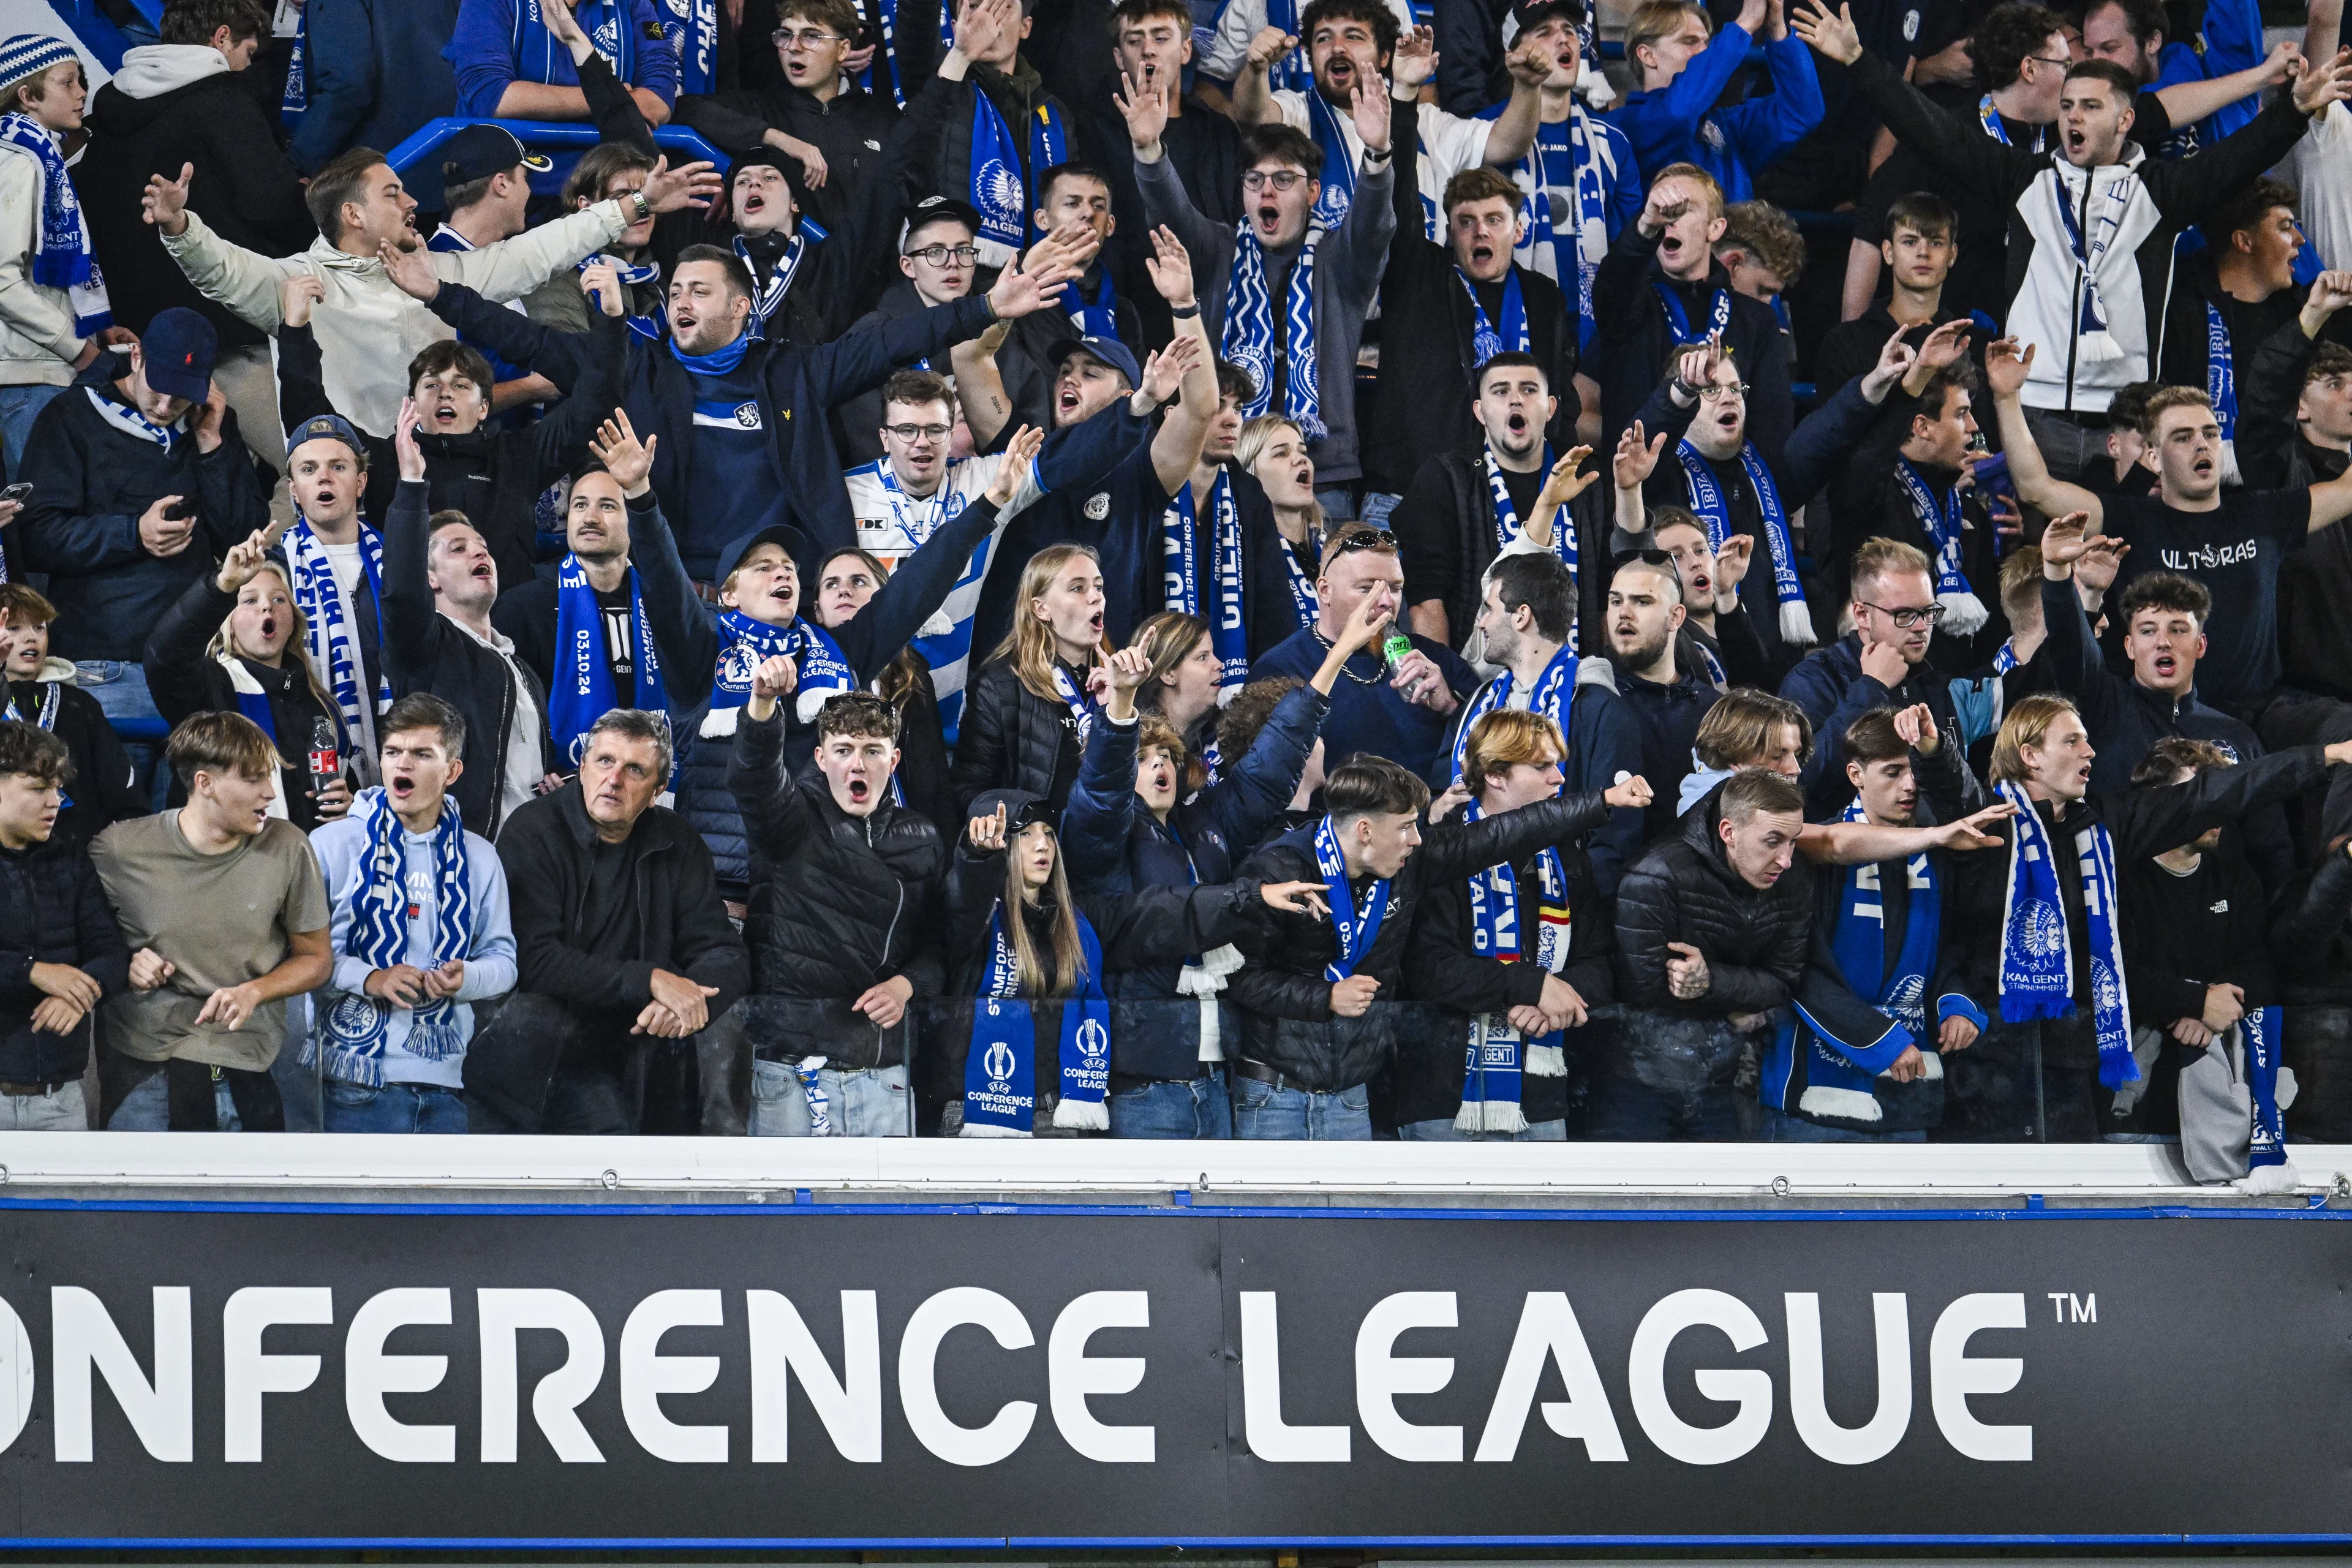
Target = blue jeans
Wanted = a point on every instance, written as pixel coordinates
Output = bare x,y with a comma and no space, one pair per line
62,1109
122,696
1442,1131
1780,1127
1378,506
19,406
148,1108
395,1108
1198,1108
1626,1112
869,1102
1339,502
1263,1110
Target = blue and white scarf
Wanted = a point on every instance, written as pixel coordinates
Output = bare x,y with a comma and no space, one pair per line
1331,134
129,421
328,640
1249,339
886,54
1485,341
296,100
2005,658
1293,72
1304,600
1222,607
1498,1055
1988,117
356,1028
1964,613
1719,314
2259,1031
1712,506
2095,342
630,275
768,293
745,644
581,691
537,51
693,33
1355,933
1569,158
62,256
1553,697
1079,702
1000,1070
1507,526
1858,940
1095,317
997,189
47,718
2220,372
2037,960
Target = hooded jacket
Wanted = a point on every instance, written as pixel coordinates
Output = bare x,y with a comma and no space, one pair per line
839,904
173,105
53,909
39,344
1287,1024
103,790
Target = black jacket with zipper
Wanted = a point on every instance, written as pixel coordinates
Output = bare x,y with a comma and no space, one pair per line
1754,940
423,650
103,790
53,909
838,905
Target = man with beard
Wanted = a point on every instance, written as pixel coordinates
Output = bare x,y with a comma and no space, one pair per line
1645,612
1714,619
1447,312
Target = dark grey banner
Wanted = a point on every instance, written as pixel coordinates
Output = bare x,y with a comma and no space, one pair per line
806,1376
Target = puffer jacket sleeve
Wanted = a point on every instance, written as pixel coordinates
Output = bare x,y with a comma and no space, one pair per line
1101,809
1159,925
984,758
1255,791
1649,913
1267,985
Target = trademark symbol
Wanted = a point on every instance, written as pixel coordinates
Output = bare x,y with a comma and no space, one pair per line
2083,1309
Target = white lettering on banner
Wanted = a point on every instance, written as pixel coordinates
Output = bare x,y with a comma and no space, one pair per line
918,1395
1953,1374
83,1336
1807,1405
646,1374
247,1373
1073,1375
16,1375
1262,1424
555,1401
1750,1388
1547,1326
1382,1375
369,1372
850,1406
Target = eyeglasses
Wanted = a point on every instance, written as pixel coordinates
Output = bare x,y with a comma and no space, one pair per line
1907,616
940,255
2046,60
1715,393
803,39
912,433
1281,180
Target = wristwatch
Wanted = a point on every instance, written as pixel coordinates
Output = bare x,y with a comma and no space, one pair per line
1184,312
1378,156
645,207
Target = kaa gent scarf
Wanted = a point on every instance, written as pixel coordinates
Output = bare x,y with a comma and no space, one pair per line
2037,960
1499,1054
355,1030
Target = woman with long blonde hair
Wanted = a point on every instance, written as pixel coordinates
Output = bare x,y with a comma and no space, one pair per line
1027,715
1272,449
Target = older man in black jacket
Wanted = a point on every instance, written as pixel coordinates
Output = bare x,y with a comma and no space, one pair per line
1312,1040
845,886
625,951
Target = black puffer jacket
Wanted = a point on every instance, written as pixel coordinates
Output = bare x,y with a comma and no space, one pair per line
2313,939
52,910
1285,1003
103,791
1011,738
1684,890
839,904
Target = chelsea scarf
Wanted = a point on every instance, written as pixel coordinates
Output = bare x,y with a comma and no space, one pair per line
581,691
745,643
1249,339
1000,1070
1569,158
327,639
996,186
1181,587
1964,613
1507,526
1498,1055
1355,932
2037,961
1554,694
1486,342
356,1028
1712,506
768,294
536,50
62,257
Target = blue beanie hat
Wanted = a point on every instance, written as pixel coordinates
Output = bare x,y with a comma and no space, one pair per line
30,54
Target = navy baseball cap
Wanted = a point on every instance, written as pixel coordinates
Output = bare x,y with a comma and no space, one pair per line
795,544
935,210
178,347
1529,14
1110,351
480,151
326,428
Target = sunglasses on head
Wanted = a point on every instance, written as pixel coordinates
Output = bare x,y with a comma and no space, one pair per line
1366,539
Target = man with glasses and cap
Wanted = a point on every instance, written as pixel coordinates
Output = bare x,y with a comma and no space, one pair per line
938,260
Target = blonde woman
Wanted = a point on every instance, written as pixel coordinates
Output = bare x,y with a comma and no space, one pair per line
1274,450
1028,714
224,647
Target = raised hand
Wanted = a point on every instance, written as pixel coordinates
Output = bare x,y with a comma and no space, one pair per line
164,203
980,26
688,185
2006,366
986,834
2096,572
1634,792
2324,82
404,443
1531,64
1947,344
1038,282
244,559
2330,292
1145,108
1834,36
561,21
1974,832
775,677
1269,46
1365,624
628,460
297,295
1895,357
2285,59
1164,373
1566,482
1636,459
1915,727
1019,453
1171,265
411,271
1130,668
2065,539
1657,212
1731,562
210,418
601,282
1370,111
1415,58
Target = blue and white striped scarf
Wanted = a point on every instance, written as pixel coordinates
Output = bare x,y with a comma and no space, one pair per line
128,420
581,691
327,639
1338,176
1964,613
1507,526
1355,933
1712,506
1554,697
2037,959
356,1028
1182,587
768,293
1249,338
1567,157
1499,1054
62,256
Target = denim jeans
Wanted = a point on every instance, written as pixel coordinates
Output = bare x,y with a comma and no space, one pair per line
1200,1108
19,406
1780,1127
1627,1112
1339,502
62,1109
1378,506
122,696
866,1102
393,1108
183,1097
1441,1131
1263,1110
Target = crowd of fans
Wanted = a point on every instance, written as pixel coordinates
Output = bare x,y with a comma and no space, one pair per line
1178,570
